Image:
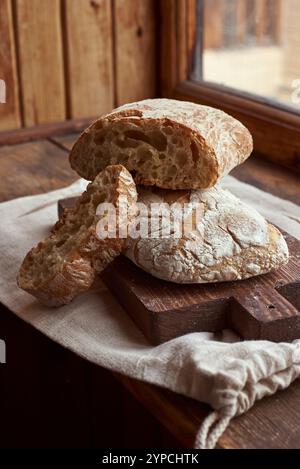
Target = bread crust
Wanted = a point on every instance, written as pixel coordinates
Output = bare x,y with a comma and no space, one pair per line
217,143
81,262
231,241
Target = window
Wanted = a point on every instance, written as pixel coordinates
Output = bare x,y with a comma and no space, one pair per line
251,46
242,56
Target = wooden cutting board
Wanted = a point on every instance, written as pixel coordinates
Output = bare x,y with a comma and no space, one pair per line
265,307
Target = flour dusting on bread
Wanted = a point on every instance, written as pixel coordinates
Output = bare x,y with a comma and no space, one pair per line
231,241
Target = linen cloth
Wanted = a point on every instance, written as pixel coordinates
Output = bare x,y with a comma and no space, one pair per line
219,369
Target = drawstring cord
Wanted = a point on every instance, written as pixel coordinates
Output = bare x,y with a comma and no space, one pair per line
211,429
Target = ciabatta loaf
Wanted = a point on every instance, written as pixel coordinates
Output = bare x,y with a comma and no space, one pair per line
167,143
65,264
225,239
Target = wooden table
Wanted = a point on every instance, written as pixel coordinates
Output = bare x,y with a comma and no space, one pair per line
52,398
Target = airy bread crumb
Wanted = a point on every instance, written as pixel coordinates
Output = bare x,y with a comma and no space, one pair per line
65,264
167,143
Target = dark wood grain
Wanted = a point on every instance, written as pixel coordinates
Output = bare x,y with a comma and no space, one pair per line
12,137
135,45
254,308
271,423
87,38
180,415
269,177
38,33
10,111
52,398
66,142
33,168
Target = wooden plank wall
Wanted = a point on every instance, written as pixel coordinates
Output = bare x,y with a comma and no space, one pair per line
40,58
9,111
89,56
135,49
67,59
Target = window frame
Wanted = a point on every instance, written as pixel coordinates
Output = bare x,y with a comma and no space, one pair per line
275,128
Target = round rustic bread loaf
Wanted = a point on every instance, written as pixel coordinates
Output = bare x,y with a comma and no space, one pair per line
65,264
225,241
167,143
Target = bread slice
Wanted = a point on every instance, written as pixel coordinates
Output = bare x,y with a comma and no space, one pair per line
65,264
167,143
228,241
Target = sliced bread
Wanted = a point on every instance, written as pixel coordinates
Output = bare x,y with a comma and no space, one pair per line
65,264
163,142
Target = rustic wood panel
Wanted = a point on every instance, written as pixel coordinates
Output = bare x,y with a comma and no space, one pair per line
32,168
14,136
89,57
158,307
41,61
66,402
186,45
66,141
9,111
180,415
75,59
269,177
54,386
167,47
135,49
193,30
182,52
272,423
